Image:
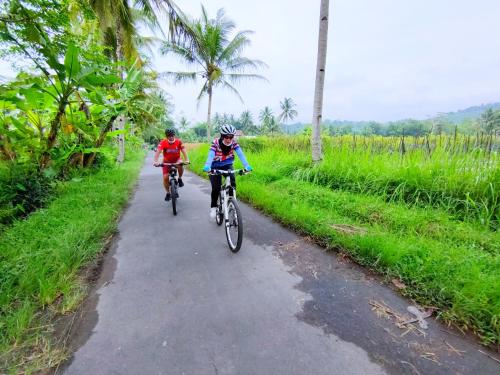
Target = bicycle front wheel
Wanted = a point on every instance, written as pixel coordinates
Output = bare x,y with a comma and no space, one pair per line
219,216
234,225
173,193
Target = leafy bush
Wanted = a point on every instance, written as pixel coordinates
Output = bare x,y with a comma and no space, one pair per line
23,189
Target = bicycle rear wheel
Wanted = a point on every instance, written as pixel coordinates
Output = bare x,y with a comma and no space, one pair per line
234,225
173,193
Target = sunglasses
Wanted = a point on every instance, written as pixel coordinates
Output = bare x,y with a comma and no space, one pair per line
228,136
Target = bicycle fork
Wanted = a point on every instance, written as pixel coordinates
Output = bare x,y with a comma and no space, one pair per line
225,199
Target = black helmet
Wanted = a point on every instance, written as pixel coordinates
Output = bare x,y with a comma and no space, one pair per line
169,132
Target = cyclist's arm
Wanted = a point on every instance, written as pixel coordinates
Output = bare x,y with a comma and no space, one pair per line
210,158
184,153
241,155
157,155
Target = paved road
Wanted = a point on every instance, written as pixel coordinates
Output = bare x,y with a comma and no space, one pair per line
172,299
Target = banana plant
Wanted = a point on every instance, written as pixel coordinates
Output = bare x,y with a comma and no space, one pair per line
65,113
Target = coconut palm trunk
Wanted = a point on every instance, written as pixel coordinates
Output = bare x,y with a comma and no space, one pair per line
320,82
209,124
120,120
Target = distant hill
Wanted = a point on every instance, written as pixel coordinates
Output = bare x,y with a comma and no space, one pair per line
457,117
468,113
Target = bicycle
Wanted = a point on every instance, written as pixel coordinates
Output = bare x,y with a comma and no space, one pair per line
228,211
174,185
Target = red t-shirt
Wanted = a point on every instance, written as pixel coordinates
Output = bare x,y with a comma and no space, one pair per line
171,151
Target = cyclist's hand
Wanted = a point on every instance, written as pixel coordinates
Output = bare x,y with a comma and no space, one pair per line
248,168
156,164
206,168
187,162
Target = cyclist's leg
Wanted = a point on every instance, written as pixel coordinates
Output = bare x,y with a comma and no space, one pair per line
180,170
166,182
216,182
232,178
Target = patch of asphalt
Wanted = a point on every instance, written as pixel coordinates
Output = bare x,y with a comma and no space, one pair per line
340,304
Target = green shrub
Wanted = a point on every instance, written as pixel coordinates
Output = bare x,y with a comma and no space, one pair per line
23,189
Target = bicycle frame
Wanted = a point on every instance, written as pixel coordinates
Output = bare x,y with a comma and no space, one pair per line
228,210
172,172
172,181
224,192
227,185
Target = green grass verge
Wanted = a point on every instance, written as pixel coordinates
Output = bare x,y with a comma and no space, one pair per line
444,262
41,257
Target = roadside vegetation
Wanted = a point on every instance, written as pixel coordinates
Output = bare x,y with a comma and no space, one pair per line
427,216
41,259
83,90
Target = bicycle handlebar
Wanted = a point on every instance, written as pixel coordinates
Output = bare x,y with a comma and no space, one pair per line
172,164
223,172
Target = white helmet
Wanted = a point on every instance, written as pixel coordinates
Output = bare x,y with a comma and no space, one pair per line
227,129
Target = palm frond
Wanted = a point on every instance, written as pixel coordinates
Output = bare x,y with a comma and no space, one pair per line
177,77
231,88
180,26
240,64
226,25
147,17
204,15
183,52
237,77
202,93
145,45
235,46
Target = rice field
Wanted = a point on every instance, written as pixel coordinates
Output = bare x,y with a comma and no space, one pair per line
460,174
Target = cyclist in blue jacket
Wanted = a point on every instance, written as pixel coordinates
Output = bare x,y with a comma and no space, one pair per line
221,156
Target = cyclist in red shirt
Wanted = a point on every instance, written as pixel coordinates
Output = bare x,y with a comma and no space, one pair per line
171,148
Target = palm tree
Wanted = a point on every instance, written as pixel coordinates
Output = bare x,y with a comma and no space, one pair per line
320,81
288,111
265,116
118,21
273,126
246,121
183,124
268,121
216,54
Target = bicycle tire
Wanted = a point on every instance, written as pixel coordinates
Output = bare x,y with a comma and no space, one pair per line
234,215
173,193
219,215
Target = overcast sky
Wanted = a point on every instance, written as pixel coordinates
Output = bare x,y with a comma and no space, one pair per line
387,59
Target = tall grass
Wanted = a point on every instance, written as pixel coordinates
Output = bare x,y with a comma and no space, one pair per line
465,183
40,258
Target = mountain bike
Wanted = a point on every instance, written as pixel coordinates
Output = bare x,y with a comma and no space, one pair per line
228,211
174,185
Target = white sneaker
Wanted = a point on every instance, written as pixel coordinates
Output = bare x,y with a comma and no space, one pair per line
213,212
